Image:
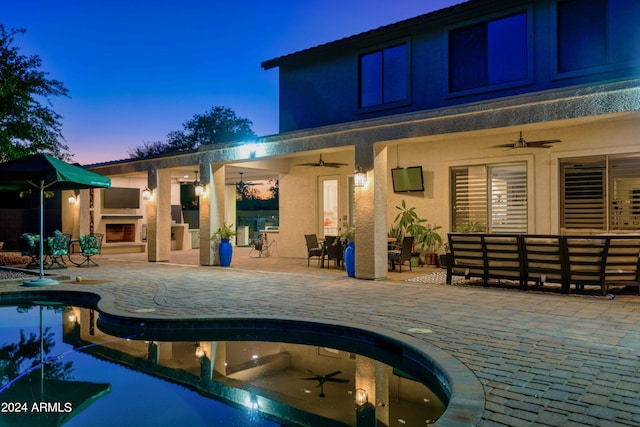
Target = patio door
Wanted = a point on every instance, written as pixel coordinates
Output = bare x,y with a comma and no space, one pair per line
329,206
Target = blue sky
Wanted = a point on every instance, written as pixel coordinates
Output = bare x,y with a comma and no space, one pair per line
137,70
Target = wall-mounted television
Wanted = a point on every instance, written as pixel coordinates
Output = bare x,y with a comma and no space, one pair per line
407,179
121,198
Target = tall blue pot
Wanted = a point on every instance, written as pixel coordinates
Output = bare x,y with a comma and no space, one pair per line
350,259
225,251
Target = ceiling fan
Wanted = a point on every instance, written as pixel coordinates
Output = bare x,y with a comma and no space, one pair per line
322,163
324,378
522,143
241,185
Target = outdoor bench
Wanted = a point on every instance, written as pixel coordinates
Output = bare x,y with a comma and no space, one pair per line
579,260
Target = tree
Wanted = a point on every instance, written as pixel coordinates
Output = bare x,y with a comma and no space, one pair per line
148,149
28,124
218,125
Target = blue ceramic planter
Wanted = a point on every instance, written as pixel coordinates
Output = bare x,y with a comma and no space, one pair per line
350,259
225,252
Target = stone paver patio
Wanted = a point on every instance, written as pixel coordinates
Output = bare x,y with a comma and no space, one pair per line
542,359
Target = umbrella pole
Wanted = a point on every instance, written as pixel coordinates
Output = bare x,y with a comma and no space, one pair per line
41,281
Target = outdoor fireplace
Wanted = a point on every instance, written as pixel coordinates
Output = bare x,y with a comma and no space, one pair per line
118,233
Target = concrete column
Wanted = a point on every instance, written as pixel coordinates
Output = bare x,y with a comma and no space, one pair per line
371,213
159,216
212,210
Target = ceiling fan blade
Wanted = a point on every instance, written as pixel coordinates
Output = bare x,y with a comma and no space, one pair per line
333,374
337,380
503,146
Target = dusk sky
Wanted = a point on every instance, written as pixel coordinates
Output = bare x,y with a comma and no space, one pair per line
137,70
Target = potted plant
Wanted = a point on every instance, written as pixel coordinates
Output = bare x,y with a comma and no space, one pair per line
349,235
431,242
408,223
225,249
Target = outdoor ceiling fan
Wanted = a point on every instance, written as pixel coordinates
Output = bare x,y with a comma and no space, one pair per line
322,163
326,378
522,143
240,185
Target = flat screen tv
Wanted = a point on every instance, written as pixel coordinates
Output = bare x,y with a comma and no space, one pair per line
121,198
407,179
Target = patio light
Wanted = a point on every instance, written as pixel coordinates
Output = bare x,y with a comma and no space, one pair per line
361,397
360,177
197,186
199,351
73,198
146,194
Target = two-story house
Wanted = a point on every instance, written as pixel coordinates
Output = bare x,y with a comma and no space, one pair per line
522,114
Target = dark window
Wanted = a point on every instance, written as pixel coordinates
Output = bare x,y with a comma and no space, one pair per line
383,76
593,33
488,53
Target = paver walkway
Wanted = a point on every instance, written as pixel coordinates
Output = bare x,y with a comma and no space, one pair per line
543,359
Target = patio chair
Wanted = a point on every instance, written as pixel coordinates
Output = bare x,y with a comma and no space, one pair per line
314,248
401,255
334,250
57,247
90,245
29,247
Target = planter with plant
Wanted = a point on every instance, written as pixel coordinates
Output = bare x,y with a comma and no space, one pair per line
225,249
348,235
431,242
408,223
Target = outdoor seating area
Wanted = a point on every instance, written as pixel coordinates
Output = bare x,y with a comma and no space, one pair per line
60,249
590,260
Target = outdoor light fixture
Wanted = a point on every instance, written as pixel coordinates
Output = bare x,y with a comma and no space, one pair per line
73,198
361,397
146,193
197,186
360,177
199,351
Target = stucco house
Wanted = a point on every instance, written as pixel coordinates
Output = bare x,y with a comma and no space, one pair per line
458,92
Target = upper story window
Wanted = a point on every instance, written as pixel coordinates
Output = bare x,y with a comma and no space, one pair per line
594,33
383,76
488,53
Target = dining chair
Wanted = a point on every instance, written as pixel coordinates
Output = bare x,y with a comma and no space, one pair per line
400,256
90,245
334,250
29,248
57,247
314,248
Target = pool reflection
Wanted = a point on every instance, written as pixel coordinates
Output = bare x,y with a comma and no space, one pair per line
292,384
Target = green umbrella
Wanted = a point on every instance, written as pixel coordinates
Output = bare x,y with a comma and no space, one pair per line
44,172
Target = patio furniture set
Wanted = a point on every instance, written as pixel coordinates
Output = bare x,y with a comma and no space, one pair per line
61,247
579,260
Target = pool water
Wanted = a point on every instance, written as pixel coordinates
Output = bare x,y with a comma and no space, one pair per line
91,378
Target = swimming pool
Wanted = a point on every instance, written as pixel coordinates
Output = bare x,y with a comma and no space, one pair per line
230,374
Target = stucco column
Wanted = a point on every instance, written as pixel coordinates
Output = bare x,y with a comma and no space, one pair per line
371,213
212,209
159,216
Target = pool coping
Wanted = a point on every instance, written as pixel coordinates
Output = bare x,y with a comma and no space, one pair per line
466,397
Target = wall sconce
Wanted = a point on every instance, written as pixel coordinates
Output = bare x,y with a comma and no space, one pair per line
200,353
73,198
360,177
146,194
197,186
361,397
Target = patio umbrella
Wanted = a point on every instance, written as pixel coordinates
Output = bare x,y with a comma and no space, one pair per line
45,172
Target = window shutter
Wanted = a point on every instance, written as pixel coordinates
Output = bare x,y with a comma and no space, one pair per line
624,188
469,195
508,196
583,194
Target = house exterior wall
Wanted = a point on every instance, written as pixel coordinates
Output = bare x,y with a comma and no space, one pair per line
319,87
